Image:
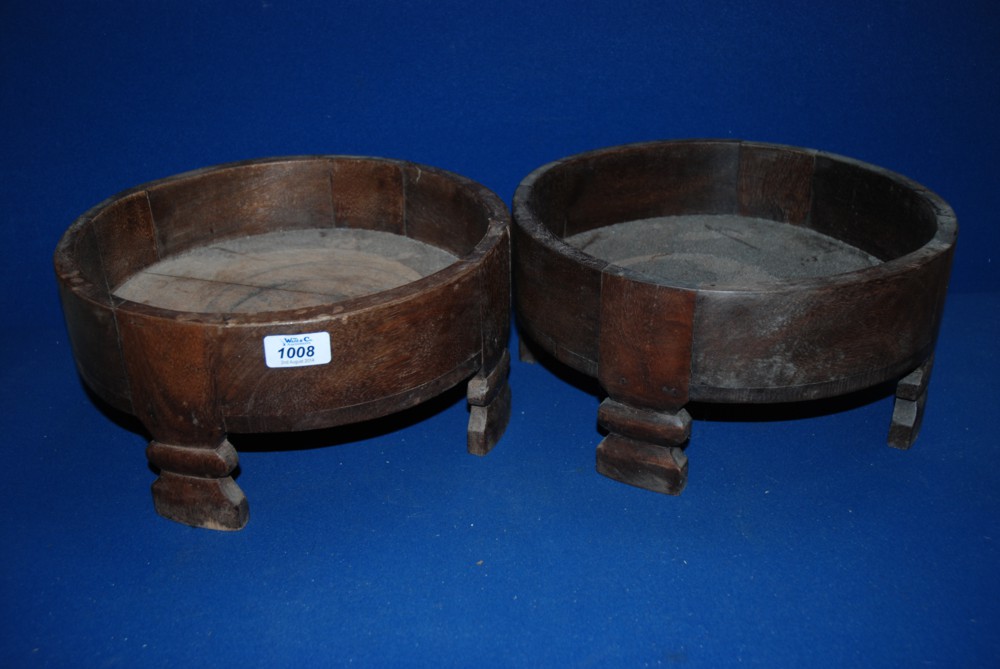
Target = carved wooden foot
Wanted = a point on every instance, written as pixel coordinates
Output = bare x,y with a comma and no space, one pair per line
644,447
489,407
195,486
908,411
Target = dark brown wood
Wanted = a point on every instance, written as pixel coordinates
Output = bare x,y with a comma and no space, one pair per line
775,183
644,465
195,485
489,405
126,237
908,409
485,386
645,341
668,428
212,503
92,320
656,337
169,290
441,211
170,368
914,384
368,195
818,338
494,309
416,336
487,422
871,208
645,367
629,184
488,392
555,288
239,200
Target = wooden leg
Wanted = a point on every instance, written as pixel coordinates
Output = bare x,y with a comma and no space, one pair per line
489,406
644,447
195,486
908,411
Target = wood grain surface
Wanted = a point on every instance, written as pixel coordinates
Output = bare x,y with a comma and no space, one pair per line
170,290
284,270
727,271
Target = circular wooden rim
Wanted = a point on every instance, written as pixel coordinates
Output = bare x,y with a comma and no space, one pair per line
71,275
946,232
793,334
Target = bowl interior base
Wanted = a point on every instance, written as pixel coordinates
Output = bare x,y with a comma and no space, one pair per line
289,269
720,250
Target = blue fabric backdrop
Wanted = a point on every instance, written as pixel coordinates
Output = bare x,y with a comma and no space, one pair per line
802,542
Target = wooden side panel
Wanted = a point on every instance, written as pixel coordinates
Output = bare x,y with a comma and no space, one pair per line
126,237
442,211
94,338
78,260
89,314
543,196
651,180
368,195
427,341
494,278
810,343
240,200
645,341
863,206
558,301
775,183
171,364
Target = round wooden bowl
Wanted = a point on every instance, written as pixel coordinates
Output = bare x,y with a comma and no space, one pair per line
728,272
285,294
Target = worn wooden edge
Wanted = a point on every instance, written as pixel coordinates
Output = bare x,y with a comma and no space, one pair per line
807,392
666,428
68,270
947,222
199,392
907,418
495,280
244,404
645,341
822,341
92,309
914,384
662,469
170,368
194,461
571,358
70,273
544,282
209,503
487,423
526,218
91,324
352,413
532,234
485,385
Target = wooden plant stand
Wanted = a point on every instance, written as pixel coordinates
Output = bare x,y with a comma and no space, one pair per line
286,294
728,272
